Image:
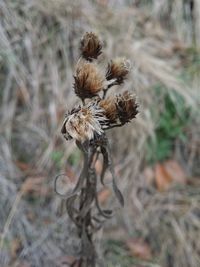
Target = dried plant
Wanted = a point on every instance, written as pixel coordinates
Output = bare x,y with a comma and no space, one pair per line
88,80
86,124
118,69
90,46
37,41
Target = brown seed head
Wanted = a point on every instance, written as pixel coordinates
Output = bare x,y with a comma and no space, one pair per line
127,107
90,46
110,109
118,69
89,80
84,123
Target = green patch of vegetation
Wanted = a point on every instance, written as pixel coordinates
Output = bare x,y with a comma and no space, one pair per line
75,157
191,65
73,160
117,255
57,156
171,125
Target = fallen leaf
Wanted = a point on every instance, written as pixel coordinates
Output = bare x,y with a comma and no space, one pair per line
162,179
167,173
175,171
139,249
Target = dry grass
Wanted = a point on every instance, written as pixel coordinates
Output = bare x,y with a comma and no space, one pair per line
170,223
38,49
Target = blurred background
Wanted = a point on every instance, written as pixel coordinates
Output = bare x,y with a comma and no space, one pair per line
156,157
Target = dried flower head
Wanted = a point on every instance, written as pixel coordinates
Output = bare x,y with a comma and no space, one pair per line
118,70
90,46
127,107
110,108
82,124
89,80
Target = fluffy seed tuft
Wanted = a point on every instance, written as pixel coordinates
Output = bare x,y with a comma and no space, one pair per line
84,123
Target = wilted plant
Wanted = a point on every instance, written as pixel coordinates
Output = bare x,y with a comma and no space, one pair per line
87,125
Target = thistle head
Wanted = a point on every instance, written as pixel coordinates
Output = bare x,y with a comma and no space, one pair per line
90,46
83,124
118,70
110,109
88,80
121,108
127,108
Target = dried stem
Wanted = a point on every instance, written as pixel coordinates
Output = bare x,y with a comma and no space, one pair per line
82,204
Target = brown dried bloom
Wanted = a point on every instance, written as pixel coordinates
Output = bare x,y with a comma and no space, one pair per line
118,70
84,122
89,80
127,107
121,108
110,108
90,46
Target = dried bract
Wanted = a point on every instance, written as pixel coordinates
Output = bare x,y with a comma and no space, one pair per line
127,107
90,46
89,80
84,123
118,70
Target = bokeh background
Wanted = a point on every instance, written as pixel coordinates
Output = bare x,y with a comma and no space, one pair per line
156,157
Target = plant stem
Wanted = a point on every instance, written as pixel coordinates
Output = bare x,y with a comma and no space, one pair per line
88,253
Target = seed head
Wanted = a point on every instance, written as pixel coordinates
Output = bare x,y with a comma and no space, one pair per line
127,107
89,80
110,108
90,46
118,69
84,123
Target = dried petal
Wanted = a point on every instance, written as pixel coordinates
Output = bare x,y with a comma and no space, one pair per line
89,80
90,46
